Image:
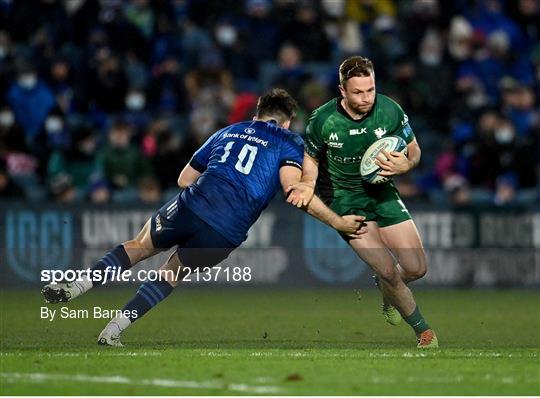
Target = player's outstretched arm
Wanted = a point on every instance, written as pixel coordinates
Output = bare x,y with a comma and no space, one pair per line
300,194
350,225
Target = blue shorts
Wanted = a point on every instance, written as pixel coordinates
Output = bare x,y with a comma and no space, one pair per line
199,245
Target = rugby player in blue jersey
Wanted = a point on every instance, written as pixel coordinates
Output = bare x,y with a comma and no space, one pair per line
230,179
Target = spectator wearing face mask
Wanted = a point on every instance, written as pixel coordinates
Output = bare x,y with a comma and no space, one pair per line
434,79
31,101
227,37
497,151
517,155
55,131
135,112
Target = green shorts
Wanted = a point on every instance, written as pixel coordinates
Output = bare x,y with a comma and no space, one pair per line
380,203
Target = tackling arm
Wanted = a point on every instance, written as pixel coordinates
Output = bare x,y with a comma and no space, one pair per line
350,225
310,170
301,192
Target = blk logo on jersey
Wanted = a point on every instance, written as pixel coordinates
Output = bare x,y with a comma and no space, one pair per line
334,137
363,130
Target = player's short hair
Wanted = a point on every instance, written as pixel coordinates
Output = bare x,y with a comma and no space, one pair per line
355,67
278,104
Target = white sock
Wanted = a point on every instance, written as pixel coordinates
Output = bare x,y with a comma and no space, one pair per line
84,285
119,323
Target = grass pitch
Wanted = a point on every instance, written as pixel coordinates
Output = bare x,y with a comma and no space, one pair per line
220,342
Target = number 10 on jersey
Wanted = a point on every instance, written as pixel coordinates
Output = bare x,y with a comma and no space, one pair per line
240,166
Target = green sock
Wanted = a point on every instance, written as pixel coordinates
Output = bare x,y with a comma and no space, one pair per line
417,321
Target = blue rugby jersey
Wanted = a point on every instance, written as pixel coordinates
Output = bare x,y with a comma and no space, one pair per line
240,174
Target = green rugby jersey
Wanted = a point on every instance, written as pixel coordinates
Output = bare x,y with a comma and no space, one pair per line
339,142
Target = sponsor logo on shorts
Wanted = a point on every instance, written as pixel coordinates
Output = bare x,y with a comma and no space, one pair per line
159,227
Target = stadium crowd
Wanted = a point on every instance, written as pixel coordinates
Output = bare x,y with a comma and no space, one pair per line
107,100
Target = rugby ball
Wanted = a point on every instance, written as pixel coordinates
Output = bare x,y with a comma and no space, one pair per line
368,167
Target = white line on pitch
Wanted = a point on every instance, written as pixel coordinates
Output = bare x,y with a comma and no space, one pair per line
83,354
166,383
360,355
293,354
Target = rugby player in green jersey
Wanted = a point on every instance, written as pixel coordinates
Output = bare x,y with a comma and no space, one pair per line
338,134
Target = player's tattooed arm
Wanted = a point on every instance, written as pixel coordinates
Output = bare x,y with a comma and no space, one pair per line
301,193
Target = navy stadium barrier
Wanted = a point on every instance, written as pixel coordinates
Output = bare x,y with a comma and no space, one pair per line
286,248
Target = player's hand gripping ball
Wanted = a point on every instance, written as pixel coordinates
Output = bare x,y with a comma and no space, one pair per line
369,169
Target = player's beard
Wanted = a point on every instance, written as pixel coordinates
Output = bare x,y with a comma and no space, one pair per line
358,110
